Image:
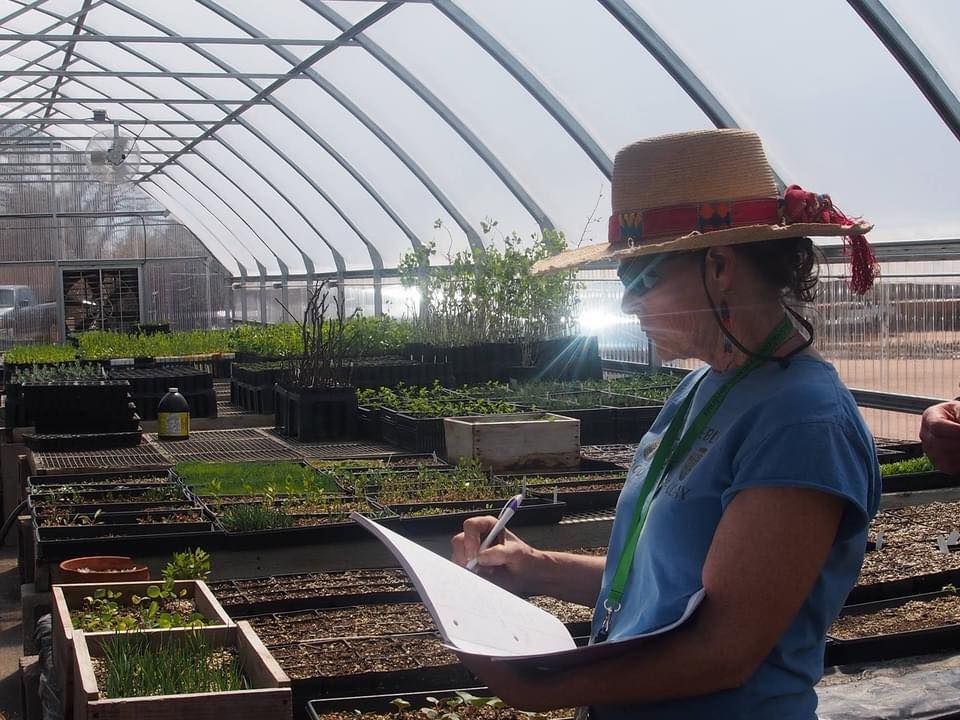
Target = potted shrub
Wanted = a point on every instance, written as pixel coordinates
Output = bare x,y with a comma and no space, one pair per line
314,400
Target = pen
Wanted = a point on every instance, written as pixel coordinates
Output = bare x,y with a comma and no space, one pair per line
513,504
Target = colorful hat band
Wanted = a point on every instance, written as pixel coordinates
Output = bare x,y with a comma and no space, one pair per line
633,227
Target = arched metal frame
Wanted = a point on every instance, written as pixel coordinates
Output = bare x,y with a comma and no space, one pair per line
936,91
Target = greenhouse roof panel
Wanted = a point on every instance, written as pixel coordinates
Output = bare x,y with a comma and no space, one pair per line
465,111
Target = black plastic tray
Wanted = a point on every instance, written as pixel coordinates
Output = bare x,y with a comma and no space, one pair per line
406,593
533,511
119,531
879,648
568,490
423,435
145,544
310,535
317,709
891,589
453,675
912,482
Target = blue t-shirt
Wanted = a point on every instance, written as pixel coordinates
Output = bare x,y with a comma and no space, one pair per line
793,427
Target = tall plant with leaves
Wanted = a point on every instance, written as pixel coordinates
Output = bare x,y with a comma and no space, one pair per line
490,295
326,343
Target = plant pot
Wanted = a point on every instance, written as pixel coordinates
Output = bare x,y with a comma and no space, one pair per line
514,441
103,569
316,414
419,434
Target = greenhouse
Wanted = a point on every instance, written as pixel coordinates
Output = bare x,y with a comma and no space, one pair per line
293,293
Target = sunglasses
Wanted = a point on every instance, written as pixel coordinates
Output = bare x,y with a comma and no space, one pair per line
639,275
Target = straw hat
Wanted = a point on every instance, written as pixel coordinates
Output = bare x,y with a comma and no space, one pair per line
701,189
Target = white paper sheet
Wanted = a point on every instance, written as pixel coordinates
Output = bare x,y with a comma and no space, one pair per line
476,617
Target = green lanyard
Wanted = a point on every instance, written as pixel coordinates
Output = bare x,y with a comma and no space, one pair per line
670,450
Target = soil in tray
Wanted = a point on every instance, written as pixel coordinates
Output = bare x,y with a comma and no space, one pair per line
379,619
909,617
325,585
360,656
909,542
464,711
547,487
68,519
358,621
104,614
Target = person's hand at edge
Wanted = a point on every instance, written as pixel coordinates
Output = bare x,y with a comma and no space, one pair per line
940,435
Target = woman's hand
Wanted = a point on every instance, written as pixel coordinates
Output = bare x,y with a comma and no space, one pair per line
940,435
510,562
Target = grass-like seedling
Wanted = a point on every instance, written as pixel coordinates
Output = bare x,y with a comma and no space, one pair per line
185,663
256,516
254,478
916,465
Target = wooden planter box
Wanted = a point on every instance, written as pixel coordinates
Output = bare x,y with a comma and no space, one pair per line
269,696
66,597
514,441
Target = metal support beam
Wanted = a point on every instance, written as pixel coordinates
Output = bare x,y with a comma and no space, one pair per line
126,101
912,60
124,121
530,83
297,69
692,85
913,404
165,39
150,74
439,107
67,56
93,214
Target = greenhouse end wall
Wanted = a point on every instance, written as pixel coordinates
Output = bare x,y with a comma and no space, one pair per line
178,281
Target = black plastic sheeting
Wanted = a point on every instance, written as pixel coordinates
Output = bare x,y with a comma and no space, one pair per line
927,694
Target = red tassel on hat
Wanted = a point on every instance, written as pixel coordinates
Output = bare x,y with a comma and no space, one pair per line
807,207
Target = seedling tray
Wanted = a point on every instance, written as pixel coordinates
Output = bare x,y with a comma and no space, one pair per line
423,435
578,490
281,593
363,620
389,663
329,532
369,423
916,585
136,540
579,497
122,479
533,511
913,482
879,648
381,704
119,531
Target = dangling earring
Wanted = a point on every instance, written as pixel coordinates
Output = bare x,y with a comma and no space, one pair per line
725,318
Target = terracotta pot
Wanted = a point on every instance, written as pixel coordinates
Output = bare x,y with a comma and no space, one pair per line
102,569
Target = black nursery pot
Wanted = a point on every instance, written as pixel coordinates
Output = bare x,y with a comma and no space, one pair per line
316,414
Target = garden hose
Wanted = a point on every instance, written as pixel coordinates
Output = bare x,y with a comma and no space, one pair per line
8,523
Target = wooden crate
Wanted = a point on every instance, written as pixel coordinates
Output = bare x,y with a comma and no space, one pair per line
65,597
269,696
514,441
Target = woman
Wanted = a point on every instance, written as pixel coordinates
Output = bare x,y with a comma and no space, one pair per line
757,481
